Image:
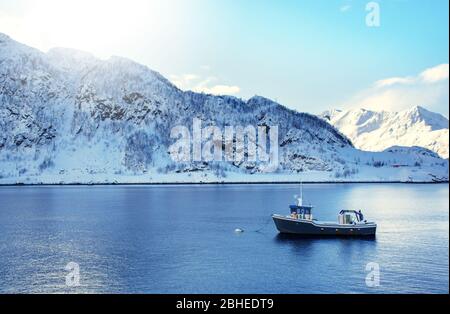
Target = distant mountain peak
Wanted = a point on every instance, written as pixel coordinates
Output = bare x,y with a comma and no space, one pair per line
67,116
4,37
434,120
378,130
418,110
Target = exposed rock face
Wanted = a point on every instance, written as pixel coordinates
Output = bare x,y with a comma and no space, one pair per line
66,112
376,131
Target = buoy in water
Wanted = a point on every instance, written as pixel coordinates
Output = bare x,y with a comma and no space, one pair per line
238,230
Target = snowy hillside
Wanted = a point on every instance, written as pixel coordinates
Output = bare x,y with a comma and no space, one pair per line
376,131
68,117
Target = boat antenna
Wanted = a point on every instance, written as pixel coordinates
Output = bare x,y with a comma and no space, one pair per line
301,189
300,199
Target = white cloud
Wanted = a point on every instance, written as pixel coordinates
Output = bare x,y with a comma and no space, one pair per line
435,74
393,81
428,88
183,81
207,85
431,75
219,90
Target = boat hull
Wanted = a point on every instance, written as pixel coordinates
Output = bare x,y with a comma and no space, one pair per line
312,228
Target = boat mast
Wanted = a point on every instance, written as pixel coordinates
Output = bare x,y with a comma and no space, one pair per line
301,189
300,200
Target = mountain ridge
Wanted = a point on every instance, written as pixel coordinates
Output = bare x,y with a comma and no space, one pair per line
103,121
378,130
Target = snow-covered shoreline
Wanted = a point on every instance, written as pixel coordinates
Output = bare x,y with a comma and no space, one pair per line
216,183
69,118
365,175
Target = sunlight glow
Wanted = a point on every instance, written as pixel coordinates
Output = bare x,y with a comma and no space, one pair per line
88,25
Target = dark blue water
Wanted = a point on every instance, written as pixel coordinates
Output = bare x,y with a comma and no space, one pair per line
181,239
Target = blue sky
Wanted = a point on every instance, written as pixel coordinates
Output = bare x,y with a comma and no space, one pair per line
308,55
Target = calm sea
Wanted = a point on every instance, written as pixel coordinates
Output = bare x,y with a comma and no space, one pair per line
181,239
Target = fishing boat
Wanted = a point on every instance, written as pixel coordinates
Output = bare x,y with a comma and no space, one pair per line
301,222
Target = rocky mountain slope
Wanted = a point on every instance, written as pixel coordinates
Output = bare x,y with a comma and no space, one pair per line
68,117
376,131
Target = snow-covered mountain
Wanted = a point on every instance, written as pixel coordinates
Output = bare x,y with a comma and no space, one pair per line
68,117
377,131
